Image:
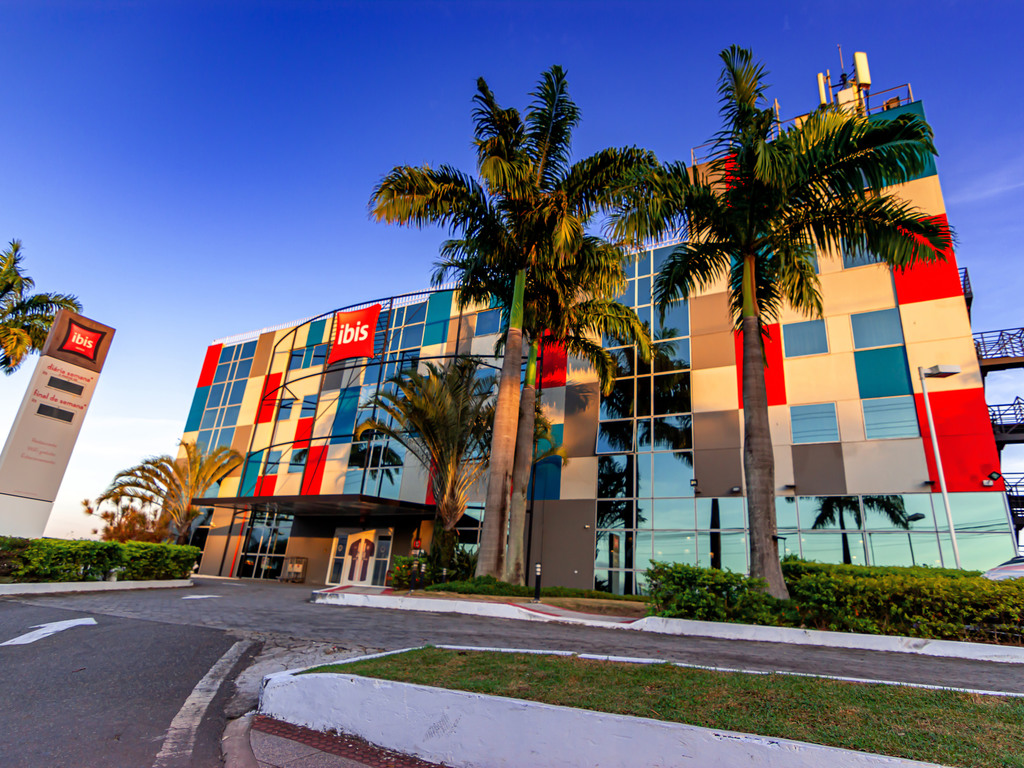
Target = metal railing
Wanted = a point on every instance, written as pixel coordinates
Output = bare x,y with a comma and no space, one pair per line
991,345
1007,417
965,286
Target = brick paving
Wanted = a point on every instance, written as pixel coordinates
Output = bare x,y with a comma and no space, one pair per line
287,749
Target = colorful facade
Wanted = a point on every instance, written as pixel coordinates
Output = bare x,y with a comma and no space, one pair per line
655,469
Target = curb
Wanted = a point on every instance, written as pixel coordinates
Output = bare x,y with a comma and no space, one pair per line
65,587
951,649
234,744
463,729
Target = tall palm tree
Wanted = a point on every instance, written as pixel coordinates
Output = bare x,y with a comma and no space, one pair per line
171,485
758,212
443,418
25,318
568,302
530,204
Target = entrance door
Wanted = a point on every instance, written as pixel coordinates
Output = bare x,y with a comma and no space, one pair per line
359,557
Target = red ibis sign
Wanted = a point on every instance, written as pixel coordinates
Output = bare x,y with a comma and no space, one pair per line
354,333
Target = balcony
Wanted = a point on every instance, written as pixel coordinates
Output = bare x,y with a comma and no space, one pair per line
965,286
1007,422
1000,350
1015,497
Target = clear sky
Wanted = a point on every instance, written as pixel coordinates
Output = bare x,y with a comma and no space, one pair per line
192,170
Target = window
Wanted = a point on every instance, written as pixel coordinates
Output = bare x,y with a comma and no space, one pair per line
814,423
851,260
308,407
889,417
675,323
284,410
298,460
808,338
273,462
295,361
876,329
488,322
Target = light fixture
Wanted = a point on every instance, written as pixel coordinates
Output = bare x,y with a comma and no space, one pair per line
734,489
693,482
993,476
939,372
790,487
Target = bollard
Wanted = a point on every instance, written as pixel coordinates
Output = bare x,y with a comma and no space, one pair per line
536,586
444,575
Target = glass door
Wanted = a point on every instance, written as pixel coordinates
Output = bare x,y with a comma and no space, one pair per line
265,545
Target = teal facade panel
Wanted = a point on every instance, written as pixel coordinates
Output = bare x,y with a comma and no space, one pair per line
882,372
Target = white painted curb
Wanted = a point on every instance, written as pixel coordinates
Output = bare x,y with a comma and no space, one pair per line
55,587
471,730
952,649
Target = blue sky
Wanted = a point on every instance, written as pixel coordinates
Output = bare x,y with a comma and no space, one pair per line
192,170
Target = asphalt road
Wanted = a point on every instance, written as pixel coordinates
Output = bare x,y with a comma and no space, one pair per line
271,608
101,695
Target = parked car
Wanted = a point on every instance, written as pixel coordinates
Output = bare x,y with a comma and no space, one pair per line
1011,569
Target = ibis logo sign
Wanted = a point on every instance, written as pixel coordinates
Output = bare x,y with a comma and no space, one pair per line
354,333
83,341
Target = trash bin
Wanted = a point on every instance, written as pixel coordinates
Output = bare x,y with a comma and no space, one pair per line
294,570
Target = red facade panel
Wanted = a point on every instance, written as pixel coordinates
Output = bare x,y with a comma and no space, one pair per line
265,485
313,477
209,365
268,398
774,378
965,439
303,431
929,281
552,372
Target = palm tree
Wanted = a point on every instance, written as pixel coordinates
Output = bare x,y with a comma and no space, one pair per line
171,485
833,509
25,318
566,302
443,418
530,205
758,212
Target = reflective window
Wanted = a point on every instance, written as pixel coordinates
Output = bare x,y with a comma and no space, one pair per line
808,338
488,322
904,549
671,393
981,551
725,551
615,514
669,432
673,513
785,512
833,547
877,329
672,473
308,407
721,513
671,355
851,260
888,417
618,404
675,546
976,512
284,410
676,321
841,512
615,477
615,436
814,423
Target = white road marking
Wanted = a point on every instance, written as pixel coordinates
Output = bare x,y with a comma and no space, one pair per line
200,597
45,630
181,734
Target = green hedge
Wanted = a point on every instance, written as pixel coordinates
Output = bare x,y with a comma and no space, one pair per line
55,560
794,568
915,602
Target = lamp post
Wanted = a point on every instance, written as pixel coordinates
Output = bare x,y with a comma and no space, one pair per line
939,372
912,519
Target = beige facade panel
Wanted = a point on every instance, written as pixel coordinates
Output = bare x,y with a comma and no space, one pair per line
339,452
483,345
947,352
250,401
582,402
288,483
924,194
240,441
885,466
334,476
714,389
820,378
716,429
552,403
850,417
217,542
710,314
840,333
783,470
579,371
780,426
263,435
460,335
414,481
229,486
713,350
935,320
579,478
861,289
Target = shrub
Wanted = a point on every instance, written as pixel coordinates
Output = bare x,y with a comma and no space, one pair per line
56,560
683,591
145,561
793,568
12,553
488,585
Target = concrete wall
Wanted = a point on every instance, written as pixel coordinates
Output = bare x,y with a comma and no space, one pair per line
312,538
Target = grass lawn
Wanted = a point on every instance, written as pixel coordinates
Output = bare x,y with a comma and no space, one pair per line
936,726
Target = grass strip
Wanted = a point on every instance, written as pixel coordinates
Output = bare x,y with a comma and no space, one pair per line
946,727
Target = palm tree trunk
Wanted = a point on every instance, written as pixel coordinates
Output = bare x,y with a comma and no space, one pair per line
515,568
758,456
503,443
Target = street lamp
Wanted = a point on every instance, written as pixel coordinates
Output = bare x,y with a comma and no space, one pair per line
939,372
913,519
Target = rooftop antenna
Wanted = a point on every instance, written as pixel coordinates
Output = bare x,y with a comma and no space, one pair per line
842,67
